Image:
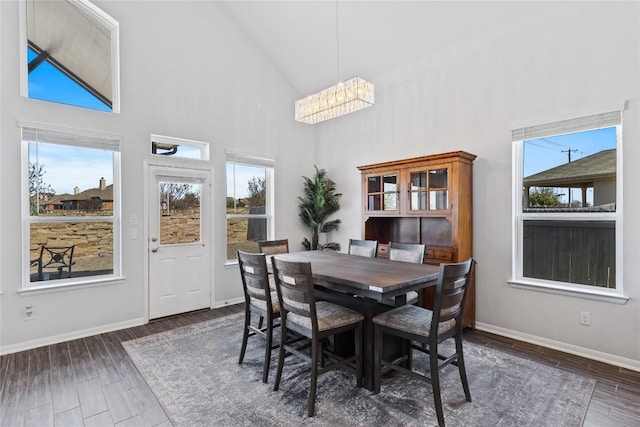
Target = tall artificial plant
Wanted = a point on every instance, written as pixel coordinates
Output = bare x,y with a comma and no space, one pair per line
319,202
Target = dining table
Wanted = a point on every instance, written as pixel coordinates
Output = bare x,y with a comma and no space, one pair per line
367,285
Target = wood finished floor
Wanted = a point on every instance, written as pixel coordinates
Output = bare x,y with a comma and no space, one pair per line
92,382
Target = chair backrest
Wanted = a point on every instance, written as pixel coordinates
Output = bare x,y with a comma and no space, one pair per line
58,258
407,252
366,248
255,279
451,294
273,247
294,284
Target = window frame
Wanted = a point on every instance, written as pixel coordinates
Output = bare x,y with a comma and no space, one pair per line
82,139
90,10
200,145
518,280
254,161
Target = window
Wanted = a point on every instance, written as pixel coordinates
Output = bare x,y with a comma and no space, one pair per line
568,203
178,147
249,203
70,54
71,206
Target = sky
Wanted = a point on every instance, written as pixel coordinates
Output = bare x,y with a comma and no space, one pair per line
546,153
238,177
49,84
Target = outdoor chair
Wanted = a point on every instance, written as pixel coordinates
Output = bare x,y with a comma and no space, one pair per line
262,301
56,259
366,248
425,329
313,320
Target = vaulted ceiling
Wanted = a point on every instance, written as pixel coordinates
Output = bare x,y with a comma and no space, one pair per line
382,41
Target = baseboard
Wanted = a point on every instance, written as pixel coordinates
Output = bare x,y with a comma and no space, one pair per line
28,345
233,301
611,359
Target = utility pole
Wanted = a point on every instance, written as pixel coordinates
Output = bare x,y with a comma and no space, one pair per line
568,151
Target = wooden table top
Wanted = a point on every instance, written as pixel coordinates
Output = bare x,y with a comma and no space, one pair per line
374,278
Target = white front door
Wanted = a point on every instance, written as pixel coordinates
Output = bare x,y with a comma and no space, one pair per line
179,240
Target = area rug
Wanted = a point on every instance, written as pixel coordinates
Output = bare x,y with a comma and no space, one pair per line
194,373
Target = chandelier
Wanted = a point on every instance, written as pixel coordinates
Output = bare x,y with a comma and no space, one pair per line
343,98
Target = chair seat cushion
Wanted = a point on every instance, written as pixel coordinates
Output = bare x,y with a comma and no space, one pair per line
263,305
330,316
413,319
412,298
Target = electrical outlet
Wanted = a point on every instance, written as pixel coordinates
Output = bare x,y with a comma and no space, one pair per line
29,313
585,318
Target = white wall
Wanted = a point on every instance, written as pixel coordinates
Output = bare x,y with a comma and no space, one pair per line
584,57
186,71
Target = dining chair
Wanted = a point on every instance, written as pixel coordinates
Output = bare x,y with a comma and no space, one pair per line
313,320
262,301
365,248
272,247
58,259
425,329
406,252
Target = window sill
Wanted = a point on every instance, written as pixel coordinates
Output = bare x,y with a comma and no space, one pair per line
558,289
69,286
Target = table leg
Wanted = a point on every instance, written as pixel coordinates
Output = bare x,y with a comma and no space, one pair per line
343,344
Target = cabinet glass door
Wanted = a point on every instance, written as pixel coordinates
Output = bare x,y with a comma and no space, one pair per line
428,189
438,192
382,192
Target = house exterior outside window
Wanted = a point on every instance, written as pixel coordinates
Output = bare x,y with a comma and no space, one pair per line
71,207
249,203
568,204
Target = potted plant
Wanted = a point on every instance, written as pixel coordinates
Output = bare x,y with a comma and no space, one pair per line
319,202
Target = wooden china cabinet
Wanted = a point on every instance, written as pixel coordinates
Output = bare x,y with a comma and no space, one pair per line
425,200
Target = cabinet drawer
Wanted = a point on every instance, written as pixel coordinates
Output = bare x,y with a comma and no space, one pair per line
443,255
436,255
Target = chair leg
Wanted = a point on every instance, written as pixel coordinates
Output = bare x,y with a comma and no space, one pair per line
283,339
245,335
315,347
462,370
267,353
435,384
358,348
377,350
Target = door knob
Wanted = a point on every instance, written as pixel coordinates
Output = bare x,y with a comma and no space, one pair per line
154,239
154,250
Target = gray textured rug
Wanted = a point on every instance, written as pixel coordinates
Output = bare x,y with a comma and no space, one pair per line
195,375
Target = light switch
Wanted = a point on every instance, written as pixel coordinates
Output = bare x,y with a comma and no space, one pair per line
133,220
133,233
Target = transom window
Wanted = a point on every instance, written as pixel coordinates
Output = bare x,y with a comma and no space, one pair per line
249,203
568,203
71,207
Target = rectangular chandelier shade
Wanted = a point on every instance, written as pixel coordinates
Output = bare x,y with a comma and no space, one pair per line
343,98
